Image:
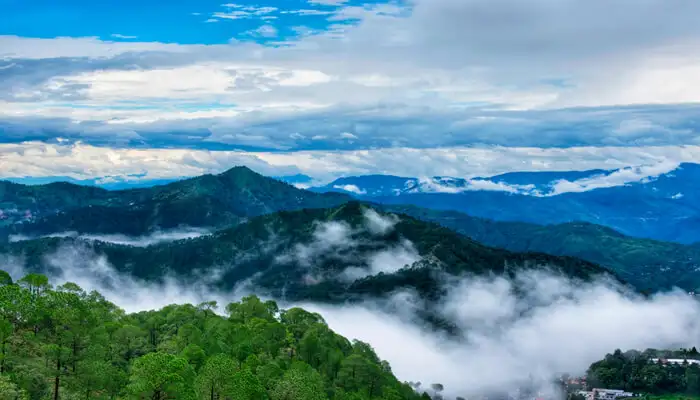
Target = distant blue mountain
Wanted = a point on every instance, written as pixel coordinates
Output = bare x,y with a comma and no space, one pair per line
666,207
298,179
109,184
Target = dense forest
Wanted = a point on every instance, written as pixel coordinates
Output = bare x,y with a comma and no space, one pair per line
636,371
64,343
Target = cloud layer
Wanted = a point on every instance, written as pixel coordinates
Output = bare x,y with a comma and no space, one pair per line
553,325
424,73
81,161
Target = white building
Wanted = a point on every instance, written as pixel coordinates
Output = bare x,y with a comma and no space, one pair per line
678,361
608,394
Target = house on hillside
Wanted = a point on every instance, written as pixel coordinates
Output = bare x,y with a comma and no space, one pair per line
677,361
606,394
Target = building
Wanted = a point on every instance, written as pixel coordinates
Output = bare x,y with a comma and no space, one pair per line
605,394
677,361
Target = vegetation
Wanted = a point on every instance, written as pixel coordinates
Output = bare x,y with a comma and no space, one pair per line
645,263
205,201
252,250
64,343
635,371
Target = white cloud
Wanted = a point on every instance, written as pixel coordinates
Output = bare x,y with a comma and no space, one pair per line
80,161
446,53
328,2
618,178
350,188
120,36
266,31
553,325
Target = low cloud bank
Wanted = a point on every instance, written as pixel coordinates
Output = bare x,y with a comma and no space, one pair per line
338,240
534,326
137,241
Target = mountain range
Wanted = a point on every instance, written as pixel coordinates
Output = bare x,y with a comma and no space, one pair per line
663,207
339,254
256,218
211,201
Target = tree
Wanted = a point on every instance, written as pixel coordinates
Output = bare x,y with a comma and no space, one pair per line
215,376
300,382
10,391
161,376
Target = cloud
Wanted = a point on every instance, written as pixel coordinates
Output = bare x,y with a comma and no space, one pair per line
620,177
350,188
535,325
560,326
434,73
81,161
357,246
334,3
120,36
140,241
266,31
239,11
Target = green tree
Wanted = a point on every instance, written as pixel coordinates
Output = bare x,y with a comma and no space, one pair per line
160,376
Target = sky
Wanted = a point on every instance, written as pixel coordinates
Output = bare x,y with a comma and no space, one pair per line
123,87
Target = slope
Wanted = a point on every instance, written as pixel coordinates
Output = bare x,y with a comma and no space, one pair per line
205,201
646,263
331,255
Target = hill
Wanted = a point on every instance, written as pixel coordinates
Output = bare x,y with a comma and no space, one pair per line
205,201
331,255
645,263
65,343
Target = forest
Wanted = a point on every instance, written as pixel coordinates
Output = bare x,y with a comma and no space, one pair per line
65,343
636,372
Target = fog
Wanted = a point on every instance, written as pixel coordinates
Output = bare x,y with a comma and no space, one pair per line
552,325
152,238
558,326
338,240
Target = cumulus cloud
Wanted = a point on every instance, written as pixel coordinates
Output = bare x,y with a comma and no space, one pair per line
412,80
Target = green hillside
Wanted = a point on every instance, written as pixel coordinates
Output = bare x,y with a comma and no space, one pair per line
64,343
645,263
265,250
205,201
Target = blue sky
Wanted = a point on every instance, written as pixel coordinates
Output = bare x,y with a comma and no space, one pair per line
337,77
183,22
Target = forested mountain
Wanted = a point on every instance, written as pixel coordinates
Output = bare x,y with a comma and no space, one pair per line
646,263
206,201
336,254
64,343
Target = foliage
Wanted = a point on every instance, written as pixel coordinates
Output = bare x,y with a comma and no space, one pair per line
636,372
205,201
64,343
648,264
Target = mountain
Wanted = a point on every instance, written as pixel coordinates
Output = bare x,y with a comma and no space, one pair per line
645,263
205,201
330,255
664,208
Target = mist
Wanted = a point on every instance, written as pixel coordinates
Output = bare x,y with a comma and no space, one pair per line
156,237
557,326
